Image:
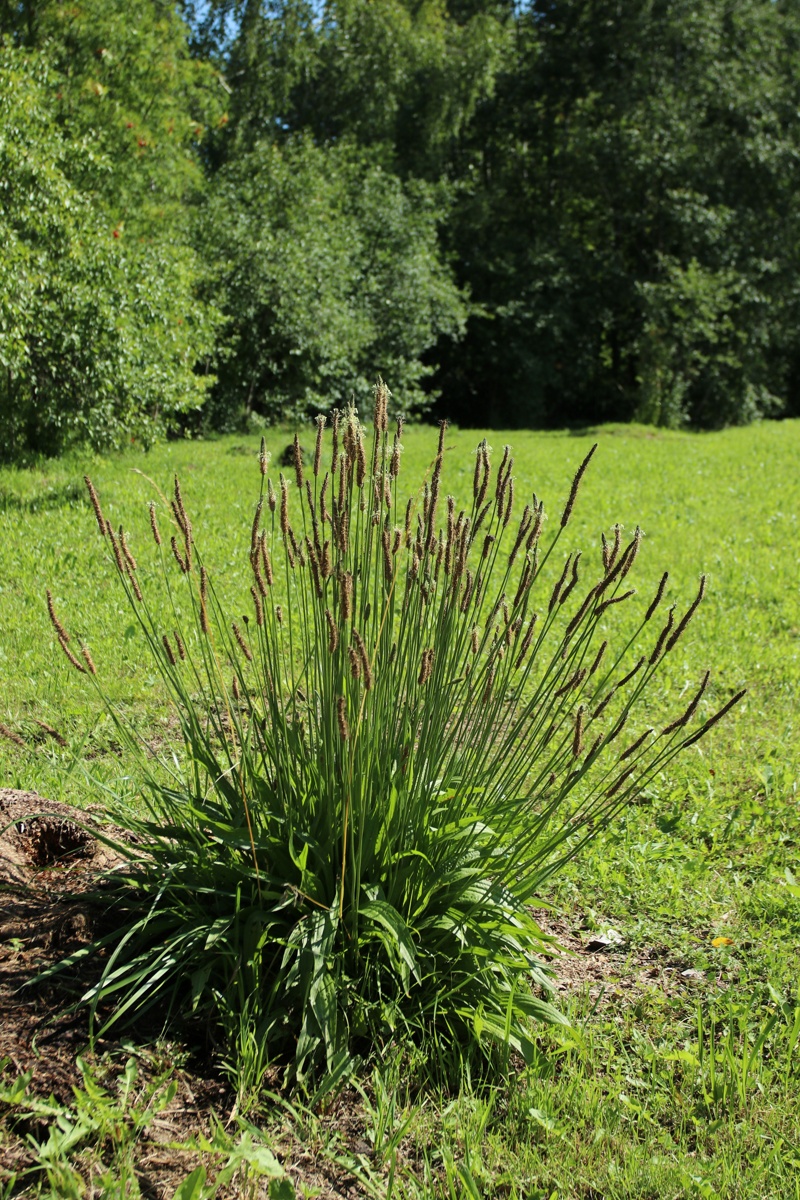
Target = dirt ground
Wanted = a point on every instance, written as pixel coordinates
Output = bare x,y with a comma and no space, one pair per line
51,856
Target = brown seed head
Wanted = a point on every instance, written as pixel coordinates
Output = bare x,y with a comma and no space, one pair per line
598,658
255,528
333,632
635,745
284,507
509,495
118,559
486,467
426,667
604,703
574,681
349,442
297,462
469,583
526,641
272,499
326,566
711,722
180,645
524,525
633,671
394,462
629,557
266,560
154,524
14,737
279,614
263,458
346,595
361,460
318,446
500,485
614,551
525,580
342,531
335,424
686,717
573,579
686,618
662,637
618,728
204,625
62,741
577,737
387,556
137,591
314,564
409,512
487,691
243,646
581,613
59,628
168,650
380,408
560,583
601,608
439,556
126,550
182,518
658,596
623,779
536,528
255,562
576,483
355,662
95,499
259,607
77,665
235,688
341,716
324,515
182,562
594,747
364,658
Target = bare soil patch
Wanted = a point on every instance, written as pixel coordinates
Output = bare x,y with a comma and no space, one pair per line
52,858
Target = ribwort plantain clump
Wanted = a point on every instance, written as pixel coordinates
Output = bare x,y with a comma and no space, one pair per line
420,720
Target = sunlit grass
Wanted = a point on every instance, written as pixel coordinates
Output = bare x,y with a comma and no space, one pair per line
704,857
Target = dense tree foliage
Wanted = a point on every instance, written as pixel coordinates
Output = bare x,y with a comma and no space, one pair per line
101,329
330,270
636,181
560,211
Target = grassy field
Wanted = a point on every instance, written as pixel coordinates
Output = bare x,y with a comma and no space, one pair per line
679,1075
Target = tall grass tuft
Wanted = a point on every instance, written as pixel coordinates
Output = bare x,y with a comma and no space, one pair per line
416,725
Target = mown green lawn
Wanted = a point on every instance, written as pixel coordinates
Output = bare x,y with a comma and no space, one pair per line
680,1074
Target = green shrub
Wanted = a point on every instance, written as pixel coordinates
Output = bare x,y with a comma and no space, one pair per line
99,330
413,729
328,269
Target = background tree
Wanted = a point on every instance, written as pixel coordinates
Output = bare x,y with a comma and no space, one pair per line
330,272
631,228
101,327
